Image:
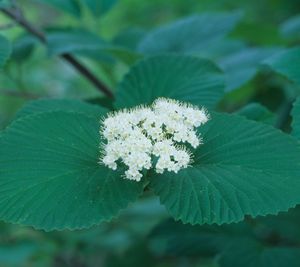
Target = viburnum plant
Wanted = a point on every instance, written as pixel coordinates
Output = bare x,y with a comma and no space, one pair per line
69,164
206,167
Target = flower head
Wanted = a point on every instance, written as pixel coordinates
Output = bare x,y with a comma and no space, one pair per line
152,136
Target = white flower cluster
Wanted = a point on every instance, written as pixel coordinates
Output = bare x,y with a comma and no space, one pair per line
155,135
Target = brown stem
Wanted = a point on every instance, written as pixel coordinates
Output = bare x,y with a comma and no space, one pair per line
19,94
17,16
86,73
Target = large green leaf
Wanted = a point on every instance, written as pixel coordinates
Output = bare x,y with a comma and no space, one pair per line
50,177
240,67
296,119
189,35
71,105
5,50
243,168
70,6
287,63
98,7
186,78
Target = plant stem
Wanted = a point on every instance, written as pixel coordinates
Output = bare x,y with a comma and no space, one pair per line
18,17
19,94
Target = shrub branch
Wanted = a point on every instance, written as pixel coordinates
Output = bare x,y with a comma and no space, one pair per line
16,15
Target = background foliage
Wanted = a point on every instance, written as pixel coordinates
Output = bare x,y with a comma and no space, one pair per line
248,63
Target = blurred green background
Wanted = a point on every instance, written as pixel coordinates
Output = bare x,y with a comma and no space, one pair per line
137,237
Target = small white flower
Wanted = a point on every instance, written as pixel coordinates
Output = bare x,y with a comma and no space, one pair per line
146,136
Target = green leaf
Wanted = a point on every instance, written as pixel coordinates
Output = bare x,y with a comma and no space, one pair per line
124,45
70,105
72,40
291,28
243,168
296,119
69,6
5,50
185,78
250,253
257,112
87,44
189,35
5,3
23,48
129,38
99,7
105,102
287,63
50,177
255,32
123,54
240,67
17,253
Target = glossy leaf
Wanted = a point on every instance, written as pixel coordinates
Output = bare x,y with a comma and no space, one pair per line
243,168
185,78
189,35
240,67
50,177
287,63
